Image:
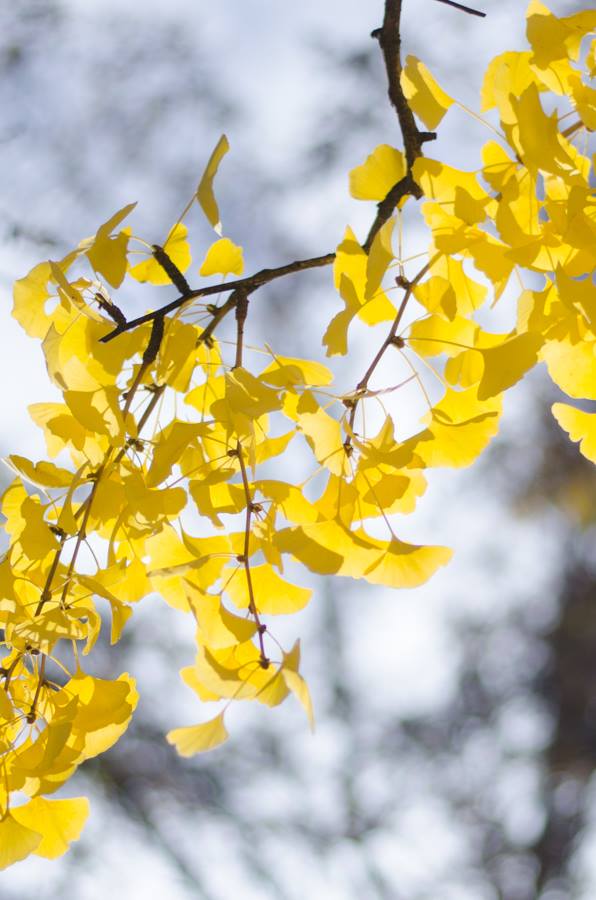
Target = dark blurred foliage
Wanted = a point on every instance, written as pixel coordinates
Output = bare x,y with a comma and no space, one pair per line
414,806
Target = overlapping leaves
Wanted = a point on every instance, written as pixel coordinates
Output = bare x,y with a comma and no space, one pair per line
159,422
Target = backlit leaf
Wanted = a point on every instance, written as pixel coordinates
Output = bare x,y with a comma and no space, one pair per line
205,195
59,822
199,738
426,98
382,170
579,425
223,258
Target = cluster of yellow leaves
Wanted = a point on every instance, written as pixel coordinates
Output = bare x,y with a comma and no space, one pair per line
142,438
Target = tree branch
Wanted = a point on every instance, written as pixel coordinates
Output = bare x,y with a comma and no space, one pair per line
251,283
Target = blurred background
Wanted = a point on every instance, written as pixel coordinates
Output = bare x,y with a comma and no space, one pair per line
456,724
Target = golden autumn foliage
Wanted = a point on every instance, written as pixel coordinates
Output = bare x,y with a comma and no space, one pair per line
158,418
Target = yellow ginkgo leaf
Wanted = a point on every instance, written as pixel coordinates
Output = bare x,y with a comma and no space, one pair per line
403,565
288,371
199,738
330,548
459,427
296,683
107,252
30,295
44,474
425,97
379,257
322,432
552,38
350,277
59,822
104,710
378,174
579,425
6,708
177,248
16,841
273,594
572,366
205,195
506,363
223,258
508,75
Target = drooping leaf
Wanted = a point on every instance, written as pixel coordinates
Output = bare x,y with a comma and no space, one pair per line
205,195
59,822
425,97
199,738
579,425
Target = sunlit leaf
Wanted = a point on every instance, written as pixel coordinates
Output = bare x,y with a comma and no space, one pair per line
199,738
59,822
223,258
579,425
426,98
205,195
378,174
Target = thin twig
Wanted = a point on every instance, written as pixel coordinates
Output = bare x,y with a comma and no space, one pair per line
390,340
245,558
466,9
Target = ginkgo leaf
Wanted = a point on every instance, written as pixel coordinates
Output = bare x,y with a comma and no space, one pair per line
425,97
450,291
322,432
459,193
407,565
30,295
223,258
273,594
199,738
350,277
59,822
299,688
379,257
508,75
104,710
16,841
506,363
44,474
205,195
6,708
572,366
177,248
459,427
552,38
435,335
217,626
579,425
537,138
378,174
287,371
329,548
108,253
